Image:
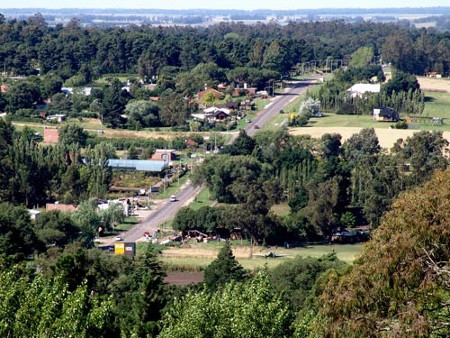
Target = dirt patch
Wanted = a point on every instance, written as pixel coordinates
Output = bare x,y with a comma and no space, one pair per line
130,134
386,137
240,252
184,278
434,84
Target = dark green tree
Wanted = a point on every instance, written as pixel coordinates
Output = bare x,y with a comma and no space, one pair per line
22,95
142,297
176,109
223,269
73,134
296,278
113,104
17,236
243,145
55,228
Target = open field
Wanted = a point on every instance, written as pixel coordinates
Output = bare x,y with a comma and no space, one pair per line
437,104
335,120
280,209
434,84
197,256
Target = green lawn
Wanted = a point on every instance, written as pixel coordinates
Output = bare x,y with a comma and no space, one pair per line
437,104
281,209
121,77
127,224
276,122
203,199
358,121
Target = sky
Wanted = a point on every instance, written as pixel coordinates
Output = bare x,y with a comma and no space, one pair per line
228,4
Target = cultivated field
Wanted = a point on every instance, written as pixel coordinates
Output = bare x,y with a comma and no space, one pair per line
386,137
433,84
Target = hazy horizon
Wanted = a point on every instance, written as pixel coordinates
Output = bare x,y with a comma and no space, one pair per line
230,4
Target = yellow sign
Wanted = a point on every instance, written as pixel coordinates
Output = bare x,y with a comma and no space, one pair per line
119,248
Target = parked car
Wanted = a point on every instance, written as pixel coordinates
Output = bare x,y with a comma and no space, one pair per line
118,239
256,126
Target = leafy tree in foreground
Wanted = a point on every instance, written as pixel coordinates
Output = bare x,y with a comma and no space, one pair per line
223,269
400,285
238,310
45,307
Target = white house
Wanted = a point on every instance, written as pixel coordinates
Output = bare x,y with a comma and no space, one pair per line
212,114
359,89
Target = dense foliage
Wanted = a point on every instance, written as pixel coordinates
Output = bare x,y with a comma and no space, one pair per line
399,286
249,309
328,185
33,174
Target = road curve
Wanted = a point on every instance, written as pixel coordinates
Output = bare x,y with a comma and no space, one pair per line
167,210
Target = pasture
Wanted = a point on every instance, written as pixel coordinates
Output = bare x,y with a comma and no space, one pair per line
197,256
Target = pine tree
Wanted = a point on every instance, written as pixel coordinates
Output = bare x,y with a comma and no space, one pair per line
223,269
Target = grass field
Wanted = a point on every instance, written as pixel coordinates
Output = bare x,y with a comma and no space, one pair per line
203,199
127,224
437,104
196,256
280,209
335,120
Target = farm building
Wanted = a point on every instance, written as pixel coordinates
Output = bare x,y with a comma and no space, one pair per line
385,114
167,155
138,165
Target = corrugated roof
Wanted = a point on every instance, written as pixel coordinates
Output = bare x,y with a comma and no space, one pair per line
139,165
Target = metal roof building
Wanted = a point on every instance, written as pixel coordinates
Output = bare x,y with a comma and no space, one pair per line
138,165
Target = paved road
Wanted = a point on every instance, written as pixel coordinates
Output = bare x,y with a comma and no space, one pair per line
167,210
278,104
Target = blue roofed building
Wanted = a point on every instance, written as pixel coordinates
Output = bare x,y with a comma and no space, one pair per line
138,165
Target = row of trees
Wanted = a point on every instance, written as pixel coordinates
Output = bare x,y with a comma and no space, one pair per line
32,174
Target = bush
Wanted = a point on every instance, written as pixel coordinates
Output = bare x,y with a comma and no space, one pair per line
401,125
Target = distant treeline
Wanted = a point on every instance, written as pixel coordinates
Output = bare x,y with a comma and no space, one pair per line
220,12
30,46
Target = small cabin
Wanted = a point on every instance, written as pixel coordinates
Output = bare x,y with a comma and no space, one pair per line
385,114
